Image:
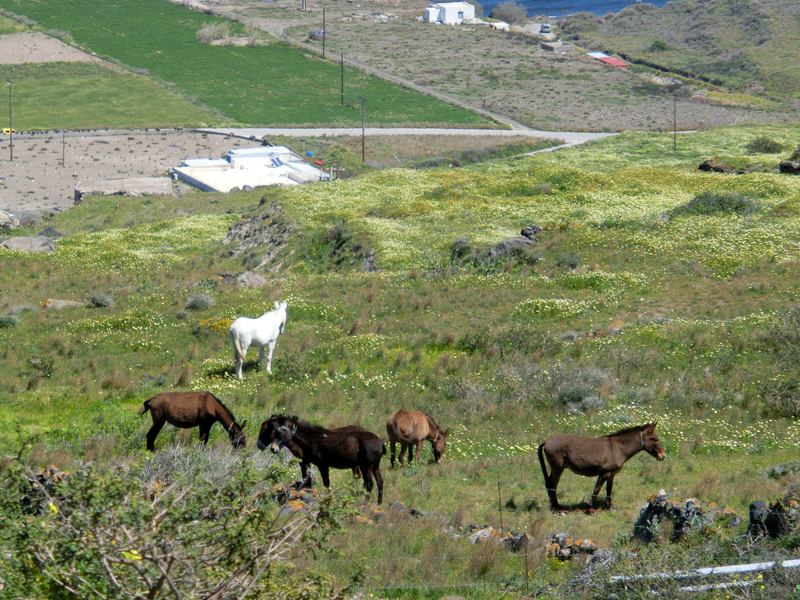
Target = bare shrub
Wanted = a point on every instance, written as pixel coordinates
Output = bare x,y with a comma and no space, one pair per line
212,32
200,301
782,399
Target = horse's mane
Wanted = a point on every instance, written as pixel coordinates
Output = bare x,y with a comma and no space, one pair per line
225,408
435,424
299,421
635,428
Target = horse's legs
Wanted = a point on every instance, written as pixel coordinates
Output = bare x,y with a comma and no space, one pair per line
599,485
205,429
609,485
555,477
419,449
261,358
403,449
269,354
326,480
153,433
367,476
379,479
305,473
392,446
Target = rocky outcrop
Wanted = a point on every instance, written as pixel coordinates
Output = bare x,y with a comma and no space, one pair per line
789,166
33,243
715,166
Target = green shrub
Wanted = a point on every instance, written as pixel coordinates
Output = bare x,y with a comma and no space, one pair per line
510,12
8,321
658,46
572,260
460,248
709,203
199,301
764,145
101,300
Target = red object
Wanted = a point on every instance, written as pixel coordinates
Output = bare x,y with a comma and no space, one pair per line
319,162
613,62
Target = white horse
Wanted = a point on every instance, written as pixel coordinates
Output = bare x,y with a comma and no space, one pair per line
262,332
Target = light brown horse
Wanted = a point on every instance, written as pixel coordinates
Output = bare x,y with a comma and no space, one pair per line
601,457
412,428
191,409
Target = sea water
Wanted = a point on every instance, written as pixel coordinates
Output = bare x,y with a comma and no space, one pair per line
555,9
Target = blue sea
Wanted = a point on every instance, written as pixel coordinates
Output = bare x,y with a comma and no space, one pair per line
555,9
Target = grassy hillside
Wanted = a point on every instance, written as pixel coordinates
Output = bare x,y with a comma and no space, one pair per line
270,84
745,46
654,292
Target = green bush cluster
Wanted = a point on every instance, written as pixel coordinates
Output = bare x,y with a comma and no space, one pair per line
710,202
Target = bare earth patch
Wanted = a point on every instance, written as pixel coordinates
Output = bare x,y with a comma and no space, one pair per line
21,48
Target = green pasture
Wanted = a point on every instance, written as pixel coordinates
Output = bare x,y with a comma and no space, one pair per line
629,308
273,84
81,95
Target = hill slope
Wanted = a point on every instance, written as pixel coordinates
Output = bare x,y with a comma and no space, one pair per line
746,46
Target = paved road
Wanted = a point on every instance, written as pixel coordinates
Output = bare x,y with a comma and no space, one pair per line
570,138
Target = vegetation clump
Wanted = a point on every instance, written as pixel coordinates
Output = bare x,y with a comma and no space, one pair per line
200,301
510,12
710,202
764,145
99,300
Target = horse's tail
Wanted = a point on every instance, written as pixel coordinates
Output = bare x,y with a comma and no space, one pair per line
544,468
237,345
145,407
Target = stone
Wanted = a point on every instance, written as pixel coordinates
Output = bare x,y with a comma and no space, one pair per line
509,244
51,232
59,304
248,279
33,243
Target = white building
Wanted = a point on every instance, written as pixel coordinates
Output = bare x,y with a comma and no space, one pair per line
450,13
248,168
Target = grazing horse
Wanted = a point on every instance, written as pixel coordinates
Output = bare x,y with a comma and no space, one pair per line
601,457
412,428
262,332
344,448
191,409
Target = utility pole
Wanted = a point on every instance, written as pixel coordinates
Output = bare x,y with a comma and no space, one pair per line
342,60
674,122
10,124
363,152
324,33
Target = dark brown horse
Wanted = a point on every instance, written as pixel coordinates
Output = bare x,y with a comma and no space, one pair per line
350,447
412,428
601,457
191,409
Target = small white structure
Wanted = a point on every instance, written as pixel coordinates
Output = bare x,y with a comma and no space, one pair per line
248,168
451,13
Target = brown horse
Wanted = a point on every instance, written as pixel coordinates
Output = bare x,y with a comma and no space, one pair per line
350,447
412,428
191,409
601,457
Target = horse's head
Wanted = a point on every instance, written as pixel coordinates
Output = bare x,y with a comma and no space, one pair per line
236,433
267,434
439,443
275,432
650,442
